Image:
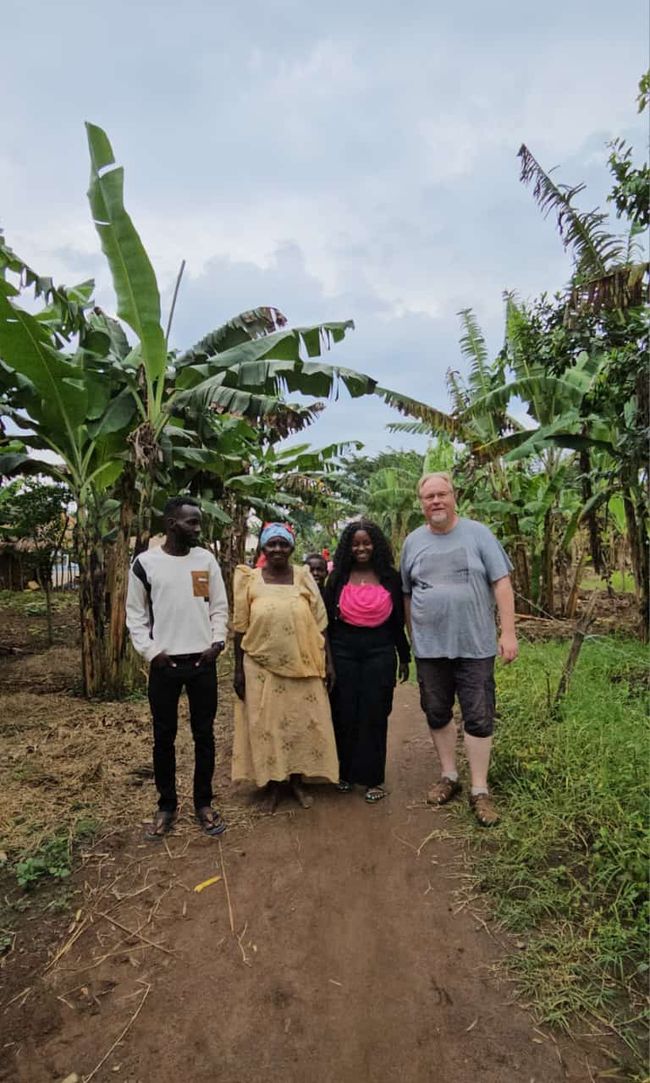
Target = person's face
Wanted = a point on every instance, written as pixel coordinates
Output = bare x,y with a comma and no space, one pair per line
318,569
438,502
277,552
362,547
185,525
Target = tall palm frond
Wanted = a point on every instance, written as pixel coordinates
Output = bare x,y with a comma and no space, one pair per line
458,393
435,420
593,247
474,350
413,428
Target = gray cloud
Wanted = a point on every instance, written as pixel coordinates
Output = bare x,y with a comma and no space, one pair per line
354,161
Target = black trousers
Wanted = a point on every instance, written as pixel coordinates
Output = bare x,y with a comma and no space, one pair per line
362,699
165,687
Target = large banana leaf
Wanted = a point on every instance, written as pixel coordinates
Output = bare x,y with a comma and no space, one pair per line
25,348
539,386
249,325
234,388
134,280
289,345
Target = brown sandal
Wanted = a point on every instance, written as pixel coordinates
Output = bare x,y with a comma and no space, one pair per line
443,791
483,808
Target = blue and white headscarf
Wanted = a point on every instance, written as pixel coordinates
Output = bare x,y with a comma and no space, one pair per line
276,530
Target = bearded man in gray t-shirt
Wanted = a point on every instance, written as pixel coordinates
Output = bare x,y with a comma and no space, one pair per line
454,571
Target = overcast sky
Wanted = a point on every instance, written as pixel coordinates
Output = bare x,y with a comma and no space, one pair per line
352,159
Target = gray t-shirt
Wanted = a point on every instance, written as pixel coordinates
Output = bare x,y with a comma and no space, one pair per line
449,577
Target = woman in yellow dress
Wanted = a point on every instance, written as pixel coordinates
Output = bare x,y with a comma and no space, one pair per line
283,724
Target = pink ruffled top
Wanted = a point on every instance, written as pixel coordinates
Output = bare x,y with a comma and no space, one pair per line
365,604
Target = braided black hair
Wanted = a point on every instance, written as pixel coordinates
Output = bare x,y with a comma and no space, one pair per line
382,554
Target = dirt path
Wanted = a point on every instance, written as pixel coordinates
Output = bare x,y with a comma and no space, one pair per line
352,957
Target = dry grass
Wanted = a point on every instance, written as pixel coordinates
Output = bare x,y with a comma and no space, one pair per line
68,762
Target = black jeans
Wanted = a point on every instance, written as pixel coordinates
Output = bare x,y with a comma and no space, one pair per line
165,686
362,699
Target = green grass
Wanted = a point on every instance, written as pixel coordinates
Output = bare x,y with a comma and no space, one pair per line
622,582
32,602
567,867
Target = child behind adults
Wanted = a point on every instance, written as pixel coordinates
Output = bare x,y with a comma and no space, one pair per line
318,568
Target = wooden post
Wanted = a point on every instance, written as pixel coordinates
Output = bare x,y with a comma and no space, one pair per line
576,646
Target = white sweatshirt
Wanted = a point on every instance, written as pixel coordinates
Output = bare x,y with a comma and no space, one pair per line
176,604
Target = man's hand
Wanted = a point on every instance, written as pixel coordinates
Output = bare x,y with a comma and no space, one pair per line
162,661
508,648
403,671
210,656
239,683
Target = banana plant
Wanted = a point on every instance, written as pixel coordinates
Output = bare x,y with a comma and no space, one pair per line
66,399
239,369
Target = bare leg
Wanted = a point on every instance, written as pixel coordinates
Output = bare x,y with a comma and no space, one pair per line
478,751
304,799
445,740
270,797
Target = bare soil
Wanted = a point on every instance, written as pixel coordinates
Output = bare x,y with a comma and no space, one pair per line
341,943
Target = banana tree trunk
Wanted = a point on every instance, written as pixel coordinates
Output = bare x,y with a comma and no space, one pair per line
637,529
232,545
118,664
143,534
44,580
574,593
547,600
90,558
595,540
521,576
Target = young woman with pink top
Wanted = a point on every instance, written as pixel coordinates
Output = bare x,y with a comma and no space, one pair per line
365,607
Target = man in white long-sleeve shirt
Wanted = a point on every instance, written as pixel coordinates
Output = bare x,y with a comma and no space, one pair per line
177,616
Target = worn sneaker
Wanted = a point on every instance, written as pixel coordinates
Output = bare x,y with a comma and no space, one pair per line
483,808
443,791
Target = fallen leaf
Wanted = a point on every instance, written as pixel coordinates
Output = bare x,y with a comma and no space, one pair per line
206,883
72,1078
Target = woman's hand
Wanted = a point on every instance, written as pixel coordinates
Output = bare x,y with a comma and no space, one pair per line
403,670
239,683
330,674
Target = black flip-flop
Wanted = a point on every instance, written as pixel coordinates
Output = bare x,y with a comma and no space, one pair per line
210,822
161,825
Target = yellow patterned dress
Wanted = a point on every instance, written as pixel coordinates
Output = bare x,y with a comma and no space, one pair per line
284,725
